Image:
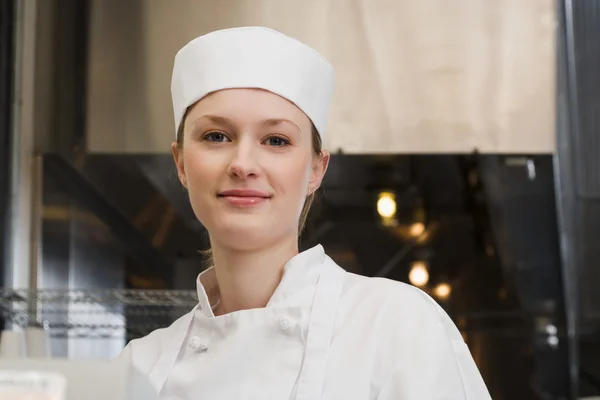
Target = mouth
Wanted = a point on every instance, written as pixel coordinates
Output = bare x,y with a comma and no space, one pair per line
243,198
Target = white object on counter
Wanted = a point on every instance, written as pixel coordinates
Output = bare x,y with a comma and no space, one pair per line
32,385
86,379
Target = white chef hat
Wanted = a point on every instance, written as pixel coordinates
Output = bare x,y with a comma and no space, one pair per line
253,57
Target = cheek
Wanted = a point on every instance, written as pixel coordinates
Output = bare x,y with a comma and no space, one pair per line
200,170
292,177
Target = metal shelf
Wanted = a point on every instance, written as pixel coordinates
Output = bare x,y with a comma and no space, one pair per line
129,297
95,313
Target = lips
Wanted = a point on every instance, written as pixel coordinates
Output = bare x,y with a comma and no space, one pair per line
244,193
244,197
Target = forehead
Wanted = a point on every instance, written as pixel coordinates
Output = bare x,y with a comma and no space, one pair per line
248,105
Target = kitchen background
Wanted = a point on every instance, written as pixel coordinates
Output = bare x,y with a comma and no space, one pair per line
465,142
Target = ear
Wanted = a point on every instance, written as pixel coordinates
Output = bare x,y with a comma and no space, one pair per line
178,158
319,167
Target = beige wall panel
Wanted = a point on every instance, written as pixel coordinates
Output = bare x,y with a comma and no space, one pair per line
412,76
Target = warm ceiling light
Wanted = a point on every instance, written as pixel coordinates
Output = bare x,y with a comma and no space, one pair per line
417,229
386,205
442,291
418,275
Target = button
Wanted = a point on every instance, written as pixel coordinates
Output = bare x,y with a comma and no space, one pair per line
196,343
285,323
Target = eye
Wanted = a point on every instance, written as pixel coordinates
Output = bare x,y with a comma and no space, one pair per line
277,141
216,137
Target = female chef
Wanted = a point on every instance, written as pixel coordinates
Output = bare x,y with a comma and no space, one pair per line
251,107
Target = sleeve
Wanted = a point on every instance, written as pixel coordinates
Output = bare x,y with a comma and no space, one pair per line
437,366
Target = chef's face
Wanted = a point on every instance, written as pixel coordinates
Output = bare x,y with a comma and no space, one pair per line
248,162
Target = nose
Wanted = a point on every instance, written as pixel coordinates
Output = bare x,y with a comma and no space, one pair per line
243,163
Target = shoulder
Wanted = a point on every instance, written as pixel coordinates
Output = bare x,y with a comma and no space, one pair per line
400,317
386,292
380,294
393,320
396,304
144,352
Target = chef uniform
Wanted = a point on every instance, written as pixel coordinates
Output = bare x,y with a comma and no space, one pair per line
325,334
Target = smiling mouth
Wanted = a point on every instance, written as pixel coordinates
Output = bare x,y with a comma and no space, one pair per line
243,198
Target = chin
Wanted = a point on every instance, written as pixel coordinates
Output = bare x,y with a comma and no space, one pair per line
243,233
239,231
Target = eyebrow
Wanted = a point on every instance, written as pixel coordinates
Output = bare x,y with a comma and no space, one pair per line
277,121
224,121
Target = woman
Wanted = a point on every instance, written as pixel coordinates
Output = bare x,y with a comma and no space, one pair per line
251,108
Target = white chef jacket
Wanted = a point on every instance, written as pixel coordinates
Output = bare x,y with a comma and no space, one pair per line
325,334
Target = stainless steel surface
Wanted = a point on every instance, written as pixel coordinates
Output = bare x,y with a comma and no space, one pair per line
18,260
583,58
78,252
524,229
37,209
7,34
151,200
577,188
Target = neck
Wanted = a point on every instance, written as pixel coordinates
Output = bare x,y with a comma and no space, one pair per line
248,278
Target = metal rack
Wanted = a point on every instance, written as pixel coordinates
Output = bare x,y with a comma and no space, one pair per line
101,313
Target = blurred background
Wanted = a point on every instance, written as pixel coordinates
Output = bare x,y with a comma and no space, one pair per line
466,155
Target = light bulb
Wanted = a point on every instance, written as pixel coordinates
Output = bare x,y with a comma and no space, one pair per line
418,275
442,291
386,205
417,229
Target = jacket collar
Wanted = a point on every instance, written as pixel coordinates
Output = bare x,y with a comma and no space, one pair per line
300,272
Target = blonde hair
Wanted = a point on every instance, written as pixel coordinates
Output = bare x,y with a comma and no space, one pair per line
317,146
